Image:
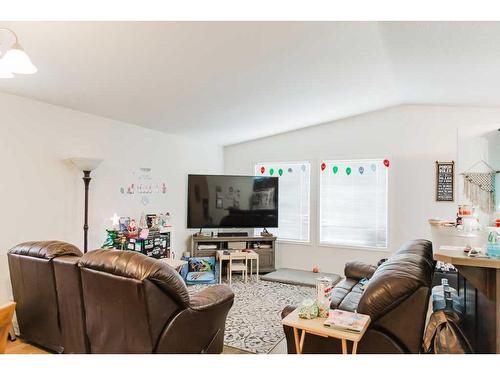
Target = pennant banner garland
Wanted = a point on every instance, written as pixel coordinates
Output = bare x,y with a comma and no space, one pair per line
361,170
281,171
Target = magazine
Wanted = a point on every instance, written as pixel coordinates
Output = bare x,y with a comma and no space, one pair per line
346,320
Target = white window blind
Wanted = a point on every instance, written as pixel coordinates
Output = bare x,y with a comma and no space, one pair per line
353,203
294,190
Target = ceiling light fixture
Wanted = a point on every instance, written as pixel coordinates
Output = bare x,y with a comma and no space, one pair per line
15,60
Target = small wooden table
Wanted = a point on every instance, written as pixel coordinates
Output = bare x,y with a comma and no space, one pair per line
250,254
315,327
174,263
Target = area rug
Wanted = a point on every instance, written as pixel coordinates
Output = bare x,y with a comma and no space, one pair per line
254,322
298,277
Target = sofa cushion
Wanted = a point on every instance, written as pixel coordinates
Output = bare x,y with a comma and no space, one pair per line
45,249
200,277
134,265
346,295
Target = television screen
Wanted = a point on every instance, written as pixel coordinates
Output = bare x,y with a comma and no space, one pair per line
216,201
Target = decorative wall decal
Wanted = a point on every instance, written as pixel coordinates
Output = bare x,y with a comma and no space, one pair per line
143,184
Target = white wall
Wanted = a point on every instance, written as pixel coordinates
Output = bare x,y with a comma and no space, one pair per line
41,195
412,137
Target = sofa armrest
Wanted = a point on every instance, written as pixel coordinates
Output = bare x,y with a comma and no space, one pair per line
359,270
211,297
203,322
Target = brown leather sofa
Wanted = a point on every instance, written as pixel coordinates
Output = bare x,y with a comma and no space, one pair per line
135,304
111,302
46,287
396,298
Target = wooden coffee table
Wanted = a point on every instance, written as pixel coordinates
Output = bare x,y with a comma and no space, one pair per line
315,327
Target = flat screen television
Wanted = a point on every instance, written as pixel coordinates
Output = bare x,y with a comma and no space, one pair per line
218,201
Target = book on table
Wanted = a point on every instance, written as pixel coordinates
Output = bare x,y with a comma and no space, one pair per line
346,320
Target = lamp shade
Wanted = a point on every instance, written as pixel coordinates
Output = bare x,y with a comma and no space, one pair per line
18,61
5,72
86,164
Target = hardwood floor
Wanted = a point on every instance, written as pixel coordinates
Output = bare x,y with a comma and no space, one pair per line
22,347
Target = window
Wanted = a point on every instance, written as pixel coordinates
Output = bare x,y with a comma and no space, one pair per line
353,203
294,180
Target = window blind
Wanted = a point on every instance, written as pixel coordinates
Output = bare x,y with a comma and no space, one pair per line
294,198
353,203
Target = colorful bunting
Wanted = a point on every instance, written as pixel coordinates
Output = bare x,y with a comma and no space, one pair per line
348,170
323,166
280,172
335,169
387,163
262,170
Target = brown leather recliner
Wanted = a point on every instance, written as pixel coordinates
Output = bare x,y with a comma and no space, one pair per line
135,304
46,285
396,298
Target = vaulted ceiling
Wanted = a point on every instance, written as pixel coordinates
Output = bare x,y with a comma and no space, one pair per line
229,82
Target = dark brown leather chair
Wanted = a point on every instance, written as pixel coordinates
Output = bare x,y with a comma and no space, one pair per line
396,298
135,304
46,286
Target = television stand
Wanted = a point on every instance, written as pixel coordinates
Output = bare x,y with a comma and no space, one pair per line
264,246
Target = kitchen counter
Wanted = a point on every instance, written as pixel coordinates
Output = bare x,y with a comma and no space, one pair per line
479,286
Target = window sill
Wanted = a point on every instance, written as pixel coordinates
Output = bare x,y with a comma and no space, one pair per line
354,247
295,242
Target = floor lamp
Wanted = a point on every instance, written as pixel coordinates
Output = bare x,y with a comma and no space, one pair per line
86,165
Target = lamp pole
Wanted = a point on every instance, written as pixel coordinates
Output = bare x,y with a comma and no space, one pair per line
86,165
86,181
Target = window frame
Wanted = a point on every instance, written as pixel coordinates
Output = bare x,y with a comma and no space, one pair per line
307,242
337,245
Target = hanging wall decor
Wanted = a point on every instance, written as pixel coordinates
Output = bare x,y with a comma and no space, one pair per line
335,169
271,171
290,170
373,167
323,166
445,181
479,189
387,163
361,170
348,170
280,172
262,170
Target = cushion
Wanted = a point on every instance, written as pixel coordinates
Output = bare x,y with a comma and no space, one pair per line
202,264
200,277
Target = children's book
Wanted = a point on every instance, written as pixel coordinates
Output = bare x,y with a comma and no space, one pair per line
346,320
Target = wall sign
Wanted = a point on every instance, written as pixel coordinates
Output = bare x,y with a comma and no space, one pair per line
445,181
